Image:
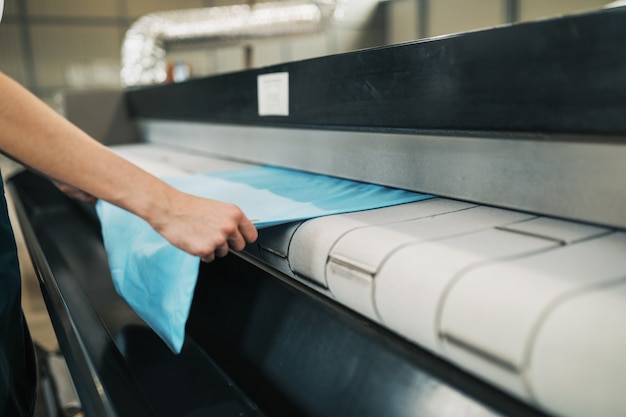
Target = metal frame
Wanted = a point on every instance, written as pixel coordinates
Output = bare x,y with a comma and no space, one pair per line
564,177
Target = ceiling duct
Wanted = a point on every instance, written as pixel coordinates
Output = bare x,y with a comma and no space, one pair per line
146,42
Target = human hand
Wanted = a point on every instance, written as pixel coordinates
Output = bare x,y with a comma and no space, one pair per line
203,227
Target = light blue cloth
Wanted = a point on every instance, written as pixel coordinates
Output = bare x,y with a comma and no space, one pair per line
157,280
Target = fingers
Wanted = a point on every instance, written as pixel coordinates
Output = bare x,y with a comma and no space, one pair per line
246,233
206,228
221,251
237,240
208,258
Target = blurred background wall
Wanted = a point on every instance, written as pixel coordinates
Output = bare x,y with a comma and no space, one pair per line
52,46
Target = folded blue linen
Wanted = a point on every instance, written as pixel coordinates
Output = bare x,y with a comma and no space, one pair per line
157,279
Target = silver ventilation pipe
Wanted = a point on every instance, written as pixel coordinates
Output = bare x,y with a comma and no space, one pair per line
146,42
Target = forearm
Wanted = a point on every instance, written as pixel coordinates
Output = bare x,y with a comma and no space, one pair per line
35,135
41,139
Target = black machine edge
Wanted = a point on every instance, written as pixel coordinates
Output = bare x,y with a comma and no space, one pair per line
564,76
244,313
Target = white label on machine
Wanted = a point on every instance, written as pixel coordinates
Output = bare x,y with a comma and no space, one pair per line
273,92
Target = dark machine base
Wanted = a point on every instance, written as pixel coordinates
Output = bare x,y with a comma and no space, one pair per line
257,342
119,366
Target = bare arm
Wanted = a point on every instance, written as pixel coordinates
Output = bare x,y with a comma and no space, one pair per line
35,135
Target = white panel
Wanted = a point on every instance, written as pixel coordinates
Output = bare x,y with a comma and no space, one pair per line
561,230
273,94
490,313
578,364
312,242
411,283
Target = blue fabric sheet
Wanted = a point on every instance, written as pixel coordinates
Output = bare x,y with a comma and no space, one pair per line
157,279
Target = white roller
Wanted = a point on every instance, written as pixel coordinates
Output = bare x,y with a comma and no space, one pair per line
357,256
577,366
411,283
312,242
366,248
489,315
